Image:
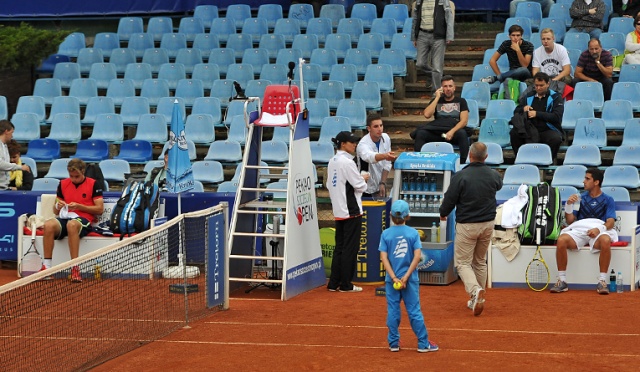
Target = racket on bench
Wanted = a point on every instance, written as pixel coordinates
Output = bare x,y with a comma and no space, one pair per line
537,273
31,261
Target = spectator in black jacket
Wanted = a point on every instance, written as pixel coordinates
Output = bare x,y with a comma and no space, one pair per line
628,8
538,117
18,180
473,193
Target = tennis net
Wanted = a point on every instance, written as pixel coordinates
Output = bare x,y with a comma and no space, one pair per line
133,292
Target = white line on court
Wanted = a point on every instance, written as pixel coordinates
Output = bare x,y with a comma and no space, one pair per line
430,329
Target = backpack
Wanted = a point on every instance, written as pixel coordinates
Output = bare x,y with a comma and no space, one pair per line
94,171
544,211
511,90
137,205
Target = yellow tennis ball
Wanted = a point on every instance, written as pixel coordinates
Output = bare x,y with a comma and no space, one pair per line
397,286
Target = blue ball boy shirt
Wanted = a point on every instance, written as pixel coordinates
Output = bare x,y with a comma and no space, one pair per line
400,242
602,207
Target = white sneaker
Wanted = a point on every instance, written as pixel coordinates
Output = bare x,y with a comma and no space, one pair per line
477,303
354,289
488,79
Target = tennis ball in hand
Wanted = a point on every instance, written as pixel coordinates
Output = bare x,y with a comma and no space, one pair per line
397,286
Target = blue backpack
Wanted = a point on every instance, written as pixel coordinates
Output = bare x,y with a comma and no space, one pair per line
138,204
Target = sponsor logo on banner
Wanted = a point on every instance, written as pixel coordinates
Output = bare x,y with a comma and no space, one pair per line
304,199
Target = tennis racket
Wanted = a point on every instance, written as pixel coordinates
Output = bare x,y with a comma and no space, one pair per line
31,261
537,274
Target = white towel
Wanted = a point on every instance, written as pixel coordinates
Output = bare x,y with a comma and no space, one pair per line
511,216
65,214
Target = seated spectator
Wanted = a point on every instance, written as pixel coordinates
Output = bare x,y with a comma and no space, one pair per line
545,4
595,64
552,59
78,202
519,52
6,134
538,117
18,179
587,16
625,8
632,44
451,114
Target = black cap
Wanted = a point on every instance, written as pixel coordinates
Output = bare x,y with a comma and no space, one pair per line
346,136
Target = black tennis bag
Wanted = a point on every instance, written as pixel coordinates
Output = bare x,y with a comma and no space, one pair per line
542,211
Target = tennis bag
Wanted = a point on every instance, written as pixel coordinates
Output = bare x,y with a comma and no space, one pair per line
542,211
137,205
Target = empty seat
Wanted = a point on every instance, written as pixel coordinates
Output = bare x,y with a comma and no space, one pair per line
223,57
237,108
590,131
532,11
152,128
318,110
527,174
159,26
574,110
128,26
394,58
87,57
228,187
361,58
223,90
66,128
384,27
397,12
335,12
43,149
206,14
27,126
138,43
272,44
374,43
237,130
209,106
238,13
332,91
369,92
352,27
507,192
172,73
49,64
72,44
346,73
383,75
622,176
288,28
576,40
256,87
165,108
132,108
321,152
403,42
109,128
366,13
474,114
325,58
45,184
495,131
331,126
500,109
534,153
47,89
83,90
312,75
64,105
134,151
207,171
103,73
301,12
190,27
138,73
92,150
321,27
189,90
569,175
223,28
96,106
590,91
66,72
207,73
32,104
631,134
205,43
274,152
615,113
120,58
155,57
256,57
239,43
154,89
627,155
172,43
441,147
478,91
189,57
619,194
622,90
225,152
354,110
585,154
200,128
304,43
115,170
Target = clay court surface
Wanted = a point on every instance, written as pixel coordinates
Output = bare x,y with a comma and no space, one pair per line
320,330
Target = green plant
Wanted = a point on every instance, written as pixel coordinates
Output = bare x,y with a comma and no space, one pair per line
26,46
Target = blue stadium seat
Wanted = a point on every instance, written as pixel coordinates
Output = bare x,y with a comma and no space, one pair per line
223,90
189,90
622,176
197,186
369,92
531,10
272,44
535,40
205,43
615,113
132,108
128,26
500,109
346,73
274,152
331,126
108,127
115,170
613,42
138,43
288,55
64,105
237,129
275,72
321,152
507,192
58,169
154,89
155,57
32,164
230,187
574,56
318,110
206,73
225,152
621,90
332,91
566,192
590,131
121,58
32,104
255,28
134,151
66,72
561,10
223,57
159,26
87,57
27,126
238,13
403,42
478,91
495,155
312,75
200,128
576,40
172,73
103,73
138,73
45,184
97,105
524,22
224,27
373,42
408,25
83,90
574,110
256,57
302,12
152,128
288,28
366,13
72,44
441,147
355,111
271,13
189,57
165,108
621,24
585,154
48,65
352,27
206,14
43,149
397,12
240,72
339,43
619,194
631,133
281,134
153,164
534,153
361,58
474,114
335,12
500,37
92,150
65,128
321,27
256,87
569,175
239,43
395,59
527,174
172,43
557,25
383,75
190,27
629,73
627,155
209,106
208,171
495,131
236,108
384,27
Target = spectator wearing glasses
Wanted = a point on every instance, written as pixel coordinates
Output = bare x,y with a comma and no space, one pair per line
632,44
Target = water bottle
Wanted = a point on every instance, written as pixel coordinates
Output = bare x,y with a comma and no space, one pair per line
423,204
425,183
412,183
612,281
412,203
619,283
434,233
418,183
430,204
443,232
438,203
405,183
433,184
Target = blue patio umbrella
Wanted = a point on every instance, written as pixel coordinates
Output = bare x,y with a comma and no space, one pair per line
179,173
